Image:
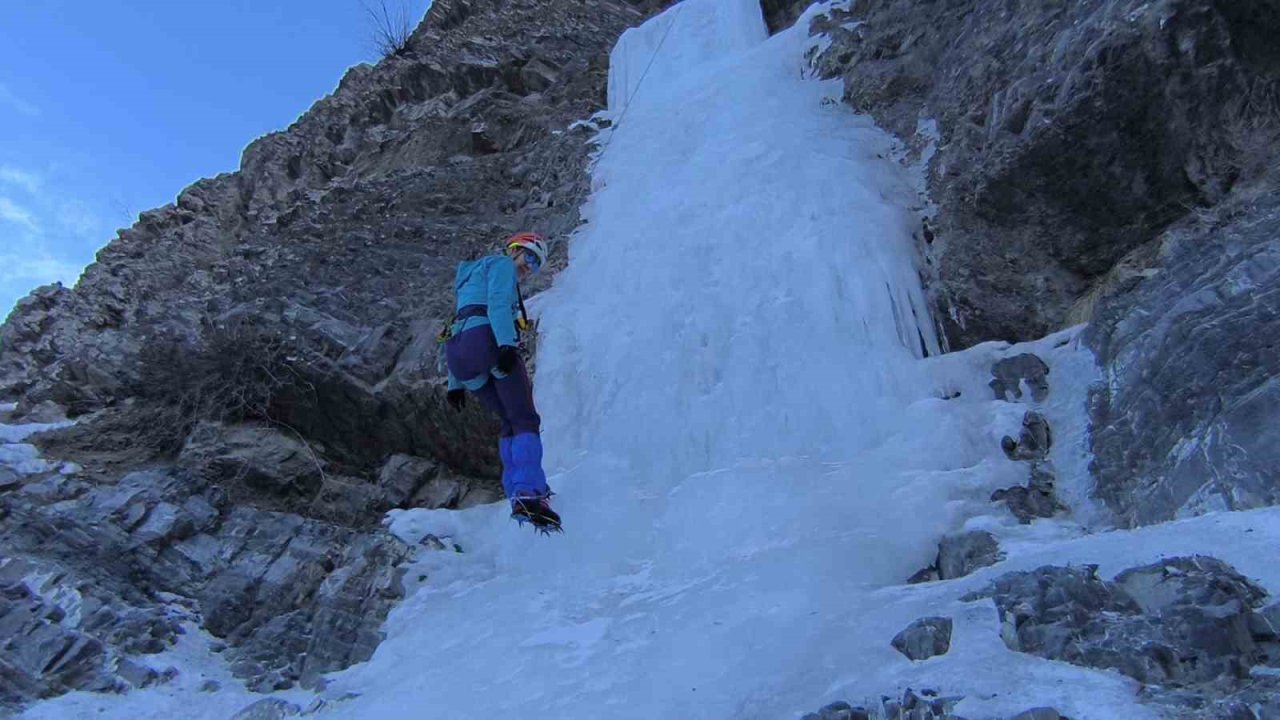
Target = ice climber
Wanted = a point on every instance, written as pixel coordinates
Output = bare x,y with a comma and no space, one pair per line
482,356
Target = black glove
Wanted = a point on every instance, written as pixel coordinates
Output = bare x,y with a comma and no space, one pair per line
457,399
508,357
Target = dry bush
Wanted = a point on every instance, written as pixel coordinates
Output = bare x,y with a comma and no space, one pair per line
1252,128
234,372
389,26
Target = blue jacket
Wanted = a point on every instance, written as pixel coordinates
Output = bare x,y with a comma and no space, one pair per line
489,281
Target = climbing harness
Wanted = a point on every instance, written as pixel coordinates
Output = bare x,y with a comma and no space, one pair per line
523,323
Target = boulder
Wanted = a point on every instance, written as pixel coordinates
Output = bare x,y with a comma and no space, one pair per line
1036,500
1187,622
136,674
838,710
924,575
1034,441
258,458
402,475
1040,713
350,501
924,638
1010,375
268,709
442,491
480,493
922,705
959,555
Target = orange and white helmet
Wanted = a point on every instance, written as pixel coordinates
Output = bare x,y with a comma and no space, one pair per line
532,242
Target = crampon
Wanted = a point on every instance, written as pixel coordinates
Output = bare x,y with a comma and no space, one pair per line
537,512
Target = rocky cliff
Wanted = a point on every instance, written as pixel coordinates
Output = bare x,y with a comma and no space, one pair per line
253,368
1187,422
1102,161
1067,134
1115,163
340,235
1109,161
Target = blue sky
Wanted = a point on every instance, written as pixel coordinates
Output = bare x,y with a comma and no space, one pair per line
110,108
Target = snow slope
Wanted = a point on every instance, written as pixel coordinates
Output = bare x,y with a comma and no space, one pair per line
747,422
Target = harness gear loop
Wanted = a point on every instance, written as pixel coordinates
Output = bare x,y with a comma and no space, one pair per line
522,322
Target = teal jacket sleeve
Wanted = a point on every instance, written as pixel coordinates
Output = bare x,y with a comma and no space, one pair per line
502,299
453,383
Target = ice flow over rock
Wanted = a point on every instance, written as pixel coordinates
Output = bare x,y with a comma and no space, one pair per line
754,438
734,388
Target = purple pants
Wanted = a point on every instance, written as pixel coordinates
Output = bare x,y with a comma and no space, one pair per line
473,354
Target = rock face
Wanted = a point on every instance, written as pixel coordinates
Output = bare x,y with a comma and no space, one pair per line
84,565
1110,161
1185,623
1189,419
252,456
339,236
266,347
1068,133
780,14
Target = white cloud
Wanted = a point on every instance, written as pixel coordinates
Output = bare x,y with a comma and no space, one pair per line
28,181
20,274
13,101
45,236
15,213
42,269
46,214
80,220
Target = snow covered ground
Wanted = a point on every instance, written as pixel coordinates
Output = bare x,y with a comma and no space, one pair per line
751,449
17,455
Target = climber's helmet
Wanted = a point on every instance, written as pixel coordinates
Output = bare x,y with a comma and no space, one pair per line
533,247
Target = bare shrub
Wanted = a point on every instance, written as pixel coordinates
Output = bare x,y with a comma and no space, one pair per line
1252,128
390,27
234,372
